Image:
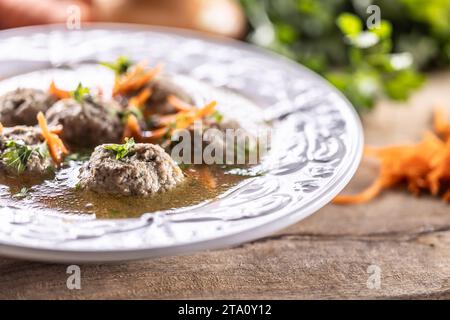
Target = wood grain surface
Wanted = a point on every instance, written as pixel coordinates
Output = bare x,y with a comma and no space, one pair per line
324,256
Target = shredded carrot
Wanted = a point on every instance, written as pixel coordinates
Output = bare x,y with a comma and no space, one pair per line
135,79
57,129
55,145
1,128
187,119
179,104
422,166
139,100
441,126
168,119
133,130
58,93
169,123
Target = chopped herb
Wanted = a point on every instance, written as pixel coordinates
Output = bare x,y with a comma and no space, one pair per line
23,193
216,116
80,93
183,166
120,66
131,110
16,155
121,150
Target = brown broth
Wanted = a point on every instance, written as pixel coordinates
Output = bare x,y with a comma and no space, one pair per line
60,193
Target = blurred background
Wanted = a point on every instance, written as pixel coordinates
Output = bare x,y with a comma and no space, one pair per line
329,36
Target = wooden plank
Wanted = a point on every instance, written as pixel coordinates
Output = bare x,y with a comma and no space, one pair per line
325,256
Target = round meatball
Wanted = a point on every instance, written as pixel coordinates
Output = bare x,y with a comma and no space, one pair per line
145,170
23,151
28,135
86,124
20,107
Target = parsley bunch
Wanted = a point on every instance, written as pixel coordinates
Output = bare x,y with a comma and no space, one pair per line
328,36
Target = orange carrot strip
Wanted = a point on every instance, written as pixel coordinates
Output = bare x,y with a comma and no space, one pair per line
440,124
57,129
199,114
179,104
139,100
1,128
55,145
365,196
59,93
136,79
446,196
133,130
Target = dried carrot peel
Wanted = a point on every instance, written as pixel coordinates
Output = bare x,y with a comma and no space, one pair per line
422,166
58,93
440,124
55,145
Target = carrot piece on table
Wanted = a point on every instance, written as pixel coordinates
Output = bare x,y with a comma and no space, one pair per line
425,165
55,145
440,124
365,196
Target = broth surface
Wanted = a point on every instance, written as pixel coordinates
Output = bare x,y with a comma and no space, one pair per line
60,193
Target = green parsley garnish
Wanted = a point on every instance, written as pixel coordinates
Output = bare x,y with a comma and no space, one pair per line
80,93
121,150
17,154
23,193
120,66
216,116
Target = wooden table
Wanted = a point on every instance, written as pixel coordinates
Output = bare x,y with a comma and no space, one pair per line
406,239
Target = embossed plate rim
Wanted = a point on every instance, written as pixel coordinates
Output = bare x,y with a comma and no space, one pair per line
340,179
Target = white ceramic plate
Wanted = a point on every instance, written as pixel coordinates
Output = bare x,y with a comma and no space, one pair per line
317,145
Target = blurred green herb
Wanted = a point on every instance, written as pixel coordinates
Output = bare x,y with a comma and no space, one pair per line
121,150
329,36
80,93
22,194
131,110
216,116
120,66
17,154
